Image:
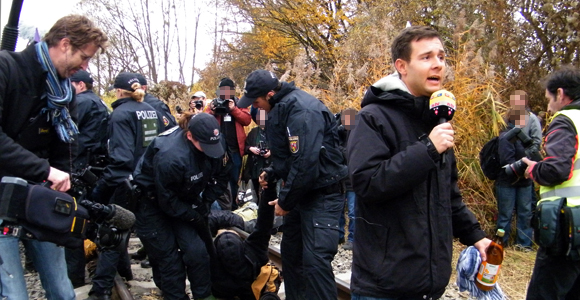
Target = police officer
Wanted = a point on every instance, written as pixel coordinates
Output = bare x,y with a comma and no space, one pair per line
182,172
161,108
303,138
93,116
556,272
132,127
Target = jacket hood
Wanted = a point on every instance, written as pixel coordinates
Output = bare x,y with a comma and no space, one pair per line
391,90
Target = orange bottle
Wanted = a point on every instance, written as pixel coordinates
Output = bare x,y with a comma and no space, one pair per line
489,270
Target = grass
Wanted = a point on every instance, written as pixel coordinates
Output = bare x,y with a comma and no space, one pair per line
515,274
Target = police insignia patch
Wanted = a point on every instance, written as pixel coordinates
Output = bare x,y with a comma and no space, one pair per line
294,144
165,121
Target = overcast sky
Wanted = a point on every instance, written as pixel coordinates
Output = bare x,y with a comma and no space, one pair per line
44,13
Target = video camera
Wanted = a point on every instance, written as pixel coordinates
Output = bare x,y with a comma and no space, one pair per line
35,211
532,152
220,106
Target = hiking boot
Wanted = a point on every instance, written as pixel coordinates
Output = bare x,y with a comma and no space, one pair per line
525,249
145,264
341,241
96,296
347,246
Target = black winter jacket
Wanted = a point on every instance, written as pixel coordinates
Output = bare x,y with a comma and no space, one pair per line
178,174
93,117
510,152
29,145
132,127
408,206
162,110
303,139
560,144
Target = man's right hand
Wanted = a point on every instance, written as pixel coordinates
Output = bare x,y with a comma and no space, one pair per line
442,137
60,180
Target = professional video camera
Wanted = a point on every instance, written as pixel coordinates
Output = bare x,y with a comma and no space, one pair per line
35,211
220,106
532,151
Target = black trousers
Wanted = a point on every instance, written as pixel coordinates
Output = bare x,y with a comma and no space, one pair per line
109,263
75,265
554,278
174,249
308,247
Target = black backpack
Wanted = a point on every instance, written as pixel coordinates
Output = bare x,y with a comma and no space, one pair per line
489,159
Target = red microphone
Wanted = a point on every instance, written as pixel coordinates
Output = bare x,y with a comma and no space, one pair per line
442,107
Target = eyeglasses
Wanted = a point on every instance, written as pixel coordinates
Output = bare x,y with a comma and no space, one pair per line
84,56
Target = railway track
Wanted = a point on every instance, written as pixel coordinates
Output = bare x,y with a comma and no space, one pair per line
342,287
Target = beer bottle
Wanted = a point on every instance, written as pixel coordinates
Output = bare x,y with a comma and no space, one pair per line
489,270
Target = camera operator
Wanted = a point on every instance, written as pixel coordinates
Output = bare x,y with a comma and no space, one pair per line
37,137
257,150
197,102
232,121
556,273
182,172
132,127
513,191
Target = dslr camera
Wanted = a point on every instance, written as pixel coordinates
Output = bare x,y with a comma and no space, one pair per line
198,104
532,151
263,148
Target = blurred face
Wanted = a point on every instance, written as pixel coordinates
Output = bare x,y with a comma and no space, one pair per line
261,118
68,59
519,114
423,73
227,92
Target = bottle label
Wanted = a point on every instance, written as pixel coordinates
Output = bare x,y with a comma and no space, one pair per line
488,273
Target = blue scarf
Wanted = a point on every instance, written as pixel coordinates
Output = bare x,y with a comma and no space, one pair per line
59,94
467,267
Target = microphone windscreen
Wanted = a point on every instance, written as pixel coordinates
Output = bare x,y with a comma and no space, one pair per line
122,218
442,104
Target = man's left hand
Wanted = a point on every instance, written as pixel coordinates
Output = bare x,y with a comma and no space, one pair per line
278,210
481,246
231,105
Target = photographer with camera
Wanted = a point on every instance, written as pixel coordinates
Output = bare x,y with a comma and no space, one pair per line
257,149
182,172
556,272
232,120
37,137
521,137
197,102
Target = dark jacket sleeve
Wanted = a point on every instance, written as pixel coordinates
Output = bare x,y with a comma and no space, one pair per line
560,146
218,184
220,219
308,126
168,181
378,171
250,141
13,156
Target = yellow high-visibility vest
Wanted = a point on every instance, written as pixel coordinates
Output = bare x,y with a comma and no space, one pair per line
570,188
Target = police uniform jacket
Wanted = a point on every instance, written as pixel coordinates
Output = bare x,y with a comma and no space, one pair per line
92,123
132,127
410,203
162,110
303,139
177,174
29,144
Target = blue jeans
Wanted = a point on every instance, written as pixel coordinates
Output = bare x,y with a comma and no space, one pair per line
349,205
519,198
48,260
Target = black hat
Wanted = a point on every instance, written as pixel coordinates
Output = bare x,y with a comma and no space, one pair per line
125,80
205,128
227,82
231,252
258,83
142,80
81,75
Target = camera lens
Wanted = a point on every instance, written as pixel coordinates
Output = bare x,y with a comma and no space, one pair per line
517,169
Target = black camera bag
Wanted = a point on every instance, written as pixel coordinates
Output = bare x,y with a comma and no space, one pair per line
573,224
551,225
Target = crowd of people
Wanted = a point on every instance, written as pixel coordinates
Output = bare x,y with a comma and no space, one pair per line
389,169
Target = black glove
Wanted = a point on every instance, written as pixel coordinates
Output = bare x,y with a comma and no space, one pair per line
102,193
